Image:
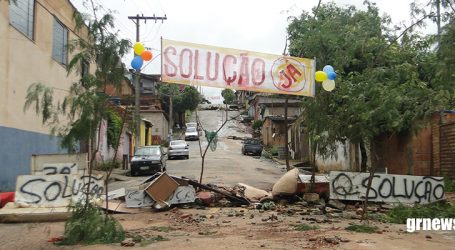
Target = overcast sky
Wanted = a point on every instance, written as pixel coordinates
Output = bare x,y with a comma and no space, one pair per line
256,25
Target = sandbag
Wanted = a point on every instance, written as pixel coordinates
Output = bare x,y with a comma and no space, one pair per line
254,194
287,184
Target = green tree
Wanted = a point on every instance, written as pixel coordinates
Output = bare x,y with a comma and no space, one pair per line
80,116
382,82
228,96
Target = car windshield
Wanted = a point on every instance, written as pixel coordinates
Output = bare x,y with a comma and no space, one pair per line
177,143
191,124
147,151
191,129
253,142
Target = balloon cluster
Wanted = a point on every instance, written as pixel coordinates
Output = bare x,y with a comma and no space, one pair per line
327,77
141,55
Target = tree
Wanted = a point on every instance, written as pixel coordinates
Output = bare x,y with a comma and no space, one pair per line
381,86
385,84
228,96
188,99
80,116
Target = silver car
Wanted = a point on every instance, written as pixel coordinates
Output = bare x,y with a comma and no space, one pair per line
178,148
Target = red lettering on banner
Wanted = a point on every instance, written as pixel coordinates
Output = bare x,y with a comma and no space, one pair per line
217,59
168,63
244,72
196,66
190,63
227,67
282,81
258,71
293,71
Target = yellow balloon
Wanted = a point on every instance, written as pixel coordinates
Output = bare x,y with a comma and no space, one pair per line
328,85
320,76
138,48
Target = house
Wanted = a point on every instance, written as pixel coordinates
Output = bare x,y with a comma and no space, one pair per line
263,105
34,35
274,129
345,158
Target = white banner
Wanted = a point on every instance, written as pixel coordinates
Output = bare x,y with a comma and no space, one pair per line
196,64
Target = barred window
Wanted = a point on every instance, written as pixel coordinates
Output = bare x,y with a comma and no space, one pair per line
60,42
21,16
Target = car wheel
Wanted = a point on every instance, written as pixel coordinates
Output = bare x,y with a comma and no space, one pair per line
187,157
169,157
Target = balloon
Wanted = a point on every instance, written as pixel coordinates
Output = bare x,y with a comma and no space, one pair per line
137,62
327,69
138,48
331,75
320,76
147,55
328,85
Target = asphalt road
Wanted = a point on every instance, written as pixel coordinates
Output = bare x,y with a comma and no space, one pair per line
226,165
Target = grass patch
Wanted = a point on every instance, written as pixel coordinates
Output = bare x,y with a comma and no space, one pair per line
305,227
362,228
151,240
449,185
400,213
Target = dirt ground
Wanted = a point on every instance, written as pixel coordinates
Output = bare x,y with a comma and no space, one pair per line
234,228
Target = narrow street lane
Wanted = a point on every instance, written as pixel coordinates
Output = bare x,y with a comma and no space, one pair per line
226,165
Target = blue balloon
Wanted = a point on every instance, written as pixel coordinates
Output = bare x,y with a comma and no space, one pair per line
331,75
137,62
327,69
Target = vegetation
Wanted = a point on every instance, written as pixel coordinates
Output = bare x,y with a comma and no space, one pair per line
305,227
83,111
400,213
228,96
88,225
362,228
449,185
185,100
257,125
385,80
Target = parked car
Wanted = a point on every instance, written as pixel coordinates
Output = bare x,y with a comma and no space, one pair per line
252,146
191,133
178,148
148,160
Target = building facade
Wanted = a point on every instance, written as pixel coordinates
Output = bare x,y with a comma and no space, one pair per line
33,39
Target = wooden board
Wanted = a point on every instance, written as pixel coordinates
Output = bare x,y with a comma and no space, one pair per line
162,188
41,214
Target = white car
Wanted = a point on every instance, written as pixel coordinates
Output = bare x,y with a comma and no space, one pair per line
178,148
191,133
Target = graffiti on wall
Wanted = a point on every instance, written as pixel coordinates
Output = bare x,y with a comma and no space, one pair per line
55,190
386,187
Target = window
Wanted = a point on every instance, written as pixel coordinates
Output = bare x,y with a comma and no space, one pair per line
85,66
21,16
60,42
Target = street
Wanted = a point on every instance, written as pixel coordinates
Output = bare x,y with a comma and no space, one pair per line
226,165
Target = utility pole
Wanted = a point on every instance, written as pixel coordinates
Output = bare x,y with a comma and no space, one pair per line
136,20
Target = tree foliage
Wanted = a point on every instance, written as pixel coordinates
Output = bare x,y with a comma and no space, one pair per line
384,84
228,96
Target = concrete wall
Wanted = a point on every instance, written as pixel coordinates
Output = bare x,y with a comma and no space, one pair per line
16,148
23,62
341,161
160,123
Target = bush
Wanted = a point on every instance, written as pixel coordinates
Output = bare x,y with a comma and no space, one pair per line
257,125
89,225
